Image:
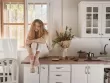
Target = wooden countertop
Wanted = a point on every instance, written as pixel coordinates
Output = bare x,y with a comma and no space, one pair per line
49,61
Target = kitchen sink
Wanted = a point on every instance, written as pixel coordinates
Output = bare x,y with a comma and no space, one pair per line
104,58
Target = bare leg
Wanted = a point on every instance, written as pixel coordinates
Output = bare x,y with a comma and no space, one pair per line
35,62
36,59
31,56
30,52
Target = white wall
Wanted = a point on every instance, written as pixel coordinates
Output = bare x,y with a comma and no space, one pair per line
70,13
70,18
55,16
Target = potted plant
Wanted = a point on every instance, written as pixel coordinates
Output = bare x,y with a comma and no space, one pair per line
63,39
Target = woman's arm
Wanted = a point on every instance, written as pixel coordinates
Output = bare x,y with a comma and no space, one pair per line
41,40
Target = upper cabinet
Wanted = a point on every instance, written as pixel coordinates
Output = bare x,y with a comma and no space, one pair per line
94,19
106,20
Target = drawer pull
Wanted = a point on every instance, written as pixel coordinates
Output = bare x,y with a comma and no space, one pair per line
59,67
86,70
38,70
59,82
58,75
43,67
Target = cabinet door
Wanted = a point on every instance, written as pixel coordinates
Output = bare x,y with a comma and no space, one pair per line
106,20
30,77
96,73
92,21
79,73
44,74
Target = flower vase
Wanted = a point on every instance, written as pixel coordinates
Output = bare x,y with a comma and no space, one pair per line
65,53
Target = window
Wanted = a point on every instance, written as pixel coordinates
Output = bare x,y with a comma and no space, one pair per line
13,21
13,18
37,11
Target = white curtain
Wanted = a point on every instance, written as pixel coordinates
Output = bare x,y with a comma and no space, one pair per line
9,48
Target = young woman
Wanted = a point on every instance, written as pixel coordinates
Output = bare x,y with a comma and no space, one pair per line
37,34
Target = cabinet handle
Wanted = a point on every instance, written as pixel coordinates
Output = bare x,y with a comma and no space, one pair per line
101,34
58,75
43,67
59,67
86,70
38,70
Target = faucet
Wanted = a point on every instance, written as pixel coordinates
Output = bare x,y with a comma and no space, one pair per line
104,52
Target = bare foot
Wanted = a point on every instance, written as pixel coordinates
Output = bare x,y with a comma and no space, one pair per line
36,63
32,70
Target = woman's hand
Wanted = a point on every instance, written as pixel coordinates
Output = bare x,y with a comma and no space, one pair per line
29,41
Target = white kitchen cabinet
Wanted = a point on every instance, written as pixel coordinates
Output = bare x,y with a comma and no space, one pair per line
106,20
95,73
44,74
40,76
30,77
94,18
59,73
74,73
91,73
79,73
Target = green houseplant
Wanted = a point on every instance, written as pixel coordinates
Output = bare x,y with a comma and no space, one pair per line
63,39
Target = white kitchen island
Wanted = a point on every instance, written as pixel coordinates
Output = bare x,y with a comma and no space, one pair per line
66,71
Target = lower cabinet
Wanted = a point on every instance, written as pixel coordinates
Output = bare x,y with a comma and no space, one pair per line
91,73
30,77
96,73
79,73
74,73
40,76
44,74
59,73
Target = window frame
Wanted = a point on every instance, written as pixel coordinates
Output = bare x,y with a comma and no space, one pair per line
2,17
25,24
48,15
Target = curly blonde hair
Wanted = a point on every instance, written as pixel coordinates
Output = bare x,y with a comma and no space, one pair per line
33,34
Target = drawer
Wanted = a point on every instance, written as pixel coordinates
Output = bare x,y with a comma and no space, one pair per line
60,68
59,76
59,81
